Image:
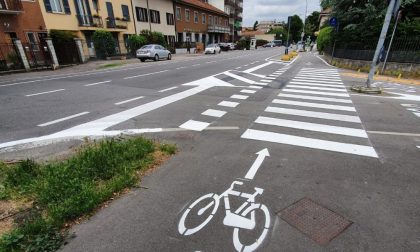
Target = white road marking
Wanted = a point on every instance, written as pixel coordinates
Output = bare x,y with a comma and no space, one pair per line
270,78
239,97
319,72
97,83
47,92
318,88
214,113
194,125
418,146
312,143
257,67
310,77
315,98
321,76
228,104
180,68
260,83
314,105
314,114
316,84
318,80
141,75
195,65
246,91
268,81
394,133
409,105
312,127
167,89
262,154
239,77
315,92
130,100
254,87
62,119
258,75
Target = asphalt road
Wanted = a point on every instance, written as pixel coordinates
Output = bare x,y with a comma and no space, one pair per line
273,156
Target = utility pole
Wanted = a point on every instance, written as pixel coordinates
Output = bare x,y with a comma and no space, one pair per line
304,23
286,51
390,42
381,41
148,13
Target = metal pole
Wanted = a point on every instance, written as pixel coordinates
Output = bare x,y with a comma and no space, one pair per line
286,51
390,42
148,14
304,24
380,42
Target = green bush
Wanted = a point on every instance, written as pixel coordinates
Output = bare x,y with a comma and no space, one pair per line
154,37
104,43
244,43
135,42
261,42
59,36
325,38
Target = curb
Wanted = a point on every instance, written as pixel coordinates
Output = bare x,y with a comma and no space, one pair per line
366,90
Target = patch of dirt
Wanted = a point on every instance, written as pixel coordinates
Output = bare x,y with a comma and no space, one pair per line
8,209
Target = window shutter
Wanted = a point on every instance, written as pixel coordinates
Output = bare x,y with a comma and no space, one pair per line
137,13
47,5
125,11
66,6
88,8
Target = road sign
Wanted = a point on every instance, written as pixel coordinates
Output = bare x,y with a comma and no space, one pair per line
333,21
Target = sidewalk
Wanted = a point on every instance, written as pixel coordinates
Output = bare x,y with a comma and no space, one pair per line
357,75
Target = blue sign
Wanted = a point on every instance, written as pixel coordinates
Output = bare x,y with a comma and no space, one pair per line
333,21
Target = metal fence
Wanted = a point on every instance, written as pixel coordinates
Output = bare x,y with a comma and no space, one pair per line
9,58
38,55
403,50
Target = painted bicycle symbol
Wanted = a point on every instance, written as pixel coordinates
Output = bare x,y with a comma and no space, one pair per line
242,218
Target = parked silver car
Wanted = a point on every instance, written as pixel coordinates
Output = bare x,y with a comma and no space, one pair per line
154,52
213,48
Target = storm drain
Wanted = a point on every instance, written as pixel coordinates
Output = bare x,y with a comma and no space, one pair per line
317,222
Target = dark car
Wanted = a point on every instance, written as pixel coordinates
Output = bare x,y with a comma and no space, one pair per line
277,43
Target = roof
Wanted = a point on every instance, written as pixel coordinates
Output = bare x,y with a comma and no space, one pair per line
202,5
252,33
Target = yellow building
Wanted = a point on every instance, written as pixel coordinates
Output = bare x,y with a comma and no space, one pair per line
83,17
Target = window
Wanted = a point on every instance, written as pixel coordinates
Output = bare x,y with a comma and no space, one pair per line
155,16
226,23
141,14
178,13
95,5
32,41
169,19
216,20
56,6
210,19
187,15
203,18
195,17
125,12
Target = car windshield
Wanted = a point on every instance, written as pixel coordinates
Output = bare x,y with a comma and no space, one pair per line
211,45
147,47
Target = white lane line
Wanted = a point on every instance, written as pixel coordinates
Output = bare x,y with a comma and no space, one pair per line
254,87
247,91
315,98
316,84
239,77
47,92
195,65
129,100
214,113
62,119
257,67
258,75
270,78
312,127
167,89
268,81
314,92
97,83
318,88
180,68
315,105
141,75
314,114
312,143
239,97
194,125
228,104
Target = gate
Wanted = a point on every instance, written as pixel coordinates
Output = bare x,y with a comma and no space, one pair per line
38,55
67,53
9,58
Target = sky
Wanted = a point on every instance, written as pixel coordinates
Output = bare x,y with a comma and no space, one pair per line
264,10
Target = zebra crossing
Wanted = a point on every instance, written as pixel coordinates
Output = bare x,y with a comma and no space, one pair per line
414,108
313,111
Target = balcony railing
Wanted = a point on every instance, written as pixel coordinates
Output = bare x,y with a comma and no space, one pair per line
89,21
218,29
11,6
116,23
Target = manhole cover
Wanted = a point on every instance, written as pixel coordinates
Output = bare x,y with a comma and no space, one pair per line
319,223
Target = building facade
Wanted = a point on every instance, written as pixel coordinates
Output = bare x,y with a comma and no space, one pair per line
198,21
83,17
234,8
266,26
155,16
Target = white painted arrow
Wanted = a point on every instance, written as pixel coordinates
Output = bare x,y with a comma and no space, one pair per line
257,163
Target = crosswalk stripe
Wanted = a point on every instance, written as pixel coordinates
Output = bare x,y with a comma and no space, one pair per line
239,77
319,74
314,105
291,90
247,91
318,80
318,88
312,143
268,81
214,113
319,70
194,125
270,78
261,83
312,127
239,97
316,84
228,104
314,114
254,87
315,98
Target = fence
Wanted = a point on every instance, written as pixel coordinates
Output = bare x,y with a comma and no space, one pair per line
38,55
9,58
403,50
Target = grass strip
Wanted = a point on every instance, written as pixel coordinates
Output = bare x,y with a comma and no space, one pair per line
63,191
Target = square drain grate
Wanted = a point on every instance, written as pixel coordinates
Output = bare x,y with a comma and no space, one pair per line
317,222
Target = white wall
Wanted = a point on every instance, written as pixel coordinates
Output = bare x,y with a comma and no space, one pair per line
219,4
163,6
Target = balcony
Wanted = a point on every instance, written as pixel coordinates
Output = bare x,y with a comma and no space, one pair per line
116,23
11,7
90,21
218,29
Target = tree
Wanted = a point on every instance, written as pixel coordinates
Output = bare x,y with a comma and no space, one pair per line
324,38
280,32
104,43
296,27
312,24
255,25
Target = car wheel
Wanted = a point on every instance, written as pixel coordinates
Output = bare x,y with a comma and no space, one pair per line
169,56
214,52
156,58
142,60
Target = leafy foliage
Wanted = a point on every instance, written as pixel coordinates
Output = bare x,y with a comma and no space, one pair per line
135,42
280,32
255,25
312,24
59,36
296,27
154,37
104,43
324,38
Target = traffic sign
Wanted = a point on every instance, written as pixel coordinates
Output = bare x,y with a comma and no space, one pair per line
333,21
